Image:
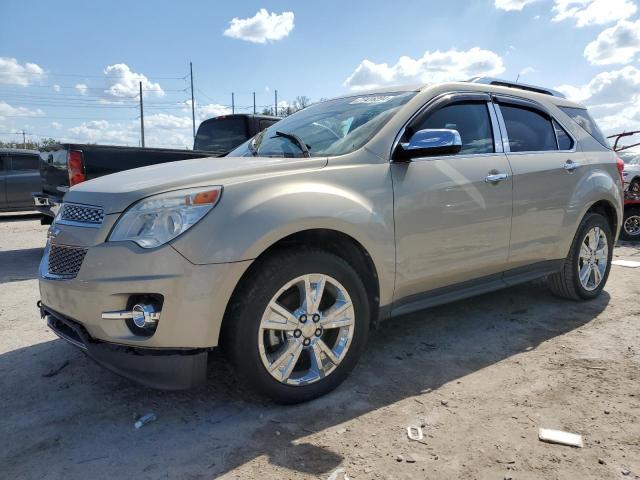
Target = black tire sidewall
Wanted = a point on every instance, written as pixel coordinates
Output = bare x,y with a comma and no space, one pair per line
272,275
593,220
629,212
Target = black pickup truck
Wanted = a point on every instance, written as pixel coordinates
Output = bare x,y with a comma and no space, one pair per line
68,164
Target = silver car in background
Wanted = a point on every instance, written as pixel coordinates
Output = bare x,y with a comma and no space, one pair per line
354,210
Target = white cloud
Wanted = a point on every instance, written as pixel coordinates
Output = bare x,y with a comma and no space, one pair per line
431,67
161,130
208,110
12,72
618,44
123,83
262,27
104,132
607,88
593,12
167,121
510,5
56,88
626,119
7,110
82,88
56,125
527,70
613,98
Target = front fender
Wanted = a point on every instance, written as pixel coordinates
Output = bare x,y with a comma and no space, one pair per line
253,216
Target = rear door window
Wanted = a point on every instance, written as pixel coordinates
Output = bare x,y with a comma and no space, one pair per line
528,129
221,135
581,117
565,142
23,163
262,124
470,119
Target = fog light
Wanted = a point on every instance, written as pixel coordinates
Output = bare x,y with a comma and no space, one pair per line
144,315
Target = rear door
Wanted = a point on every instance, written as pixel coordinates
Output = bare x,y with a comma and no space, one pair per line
23,178
547,167
452,216
4,160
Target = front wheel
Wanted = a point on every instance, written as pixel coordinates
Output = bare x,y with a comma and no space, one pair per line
298,326
586,268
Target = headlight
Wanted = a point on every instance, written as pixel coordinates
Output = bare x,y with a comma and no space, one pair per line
155,220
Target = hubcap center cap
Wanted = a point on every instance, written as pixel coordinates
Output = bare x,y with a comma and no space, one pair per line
308,329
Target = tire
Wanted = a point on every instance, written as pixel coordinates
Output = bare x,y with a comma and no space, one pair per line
631,224
251,310
567,282
634,187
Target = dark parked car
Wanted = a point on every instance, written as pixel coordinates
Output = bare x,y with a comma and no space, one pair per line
68,164
19,177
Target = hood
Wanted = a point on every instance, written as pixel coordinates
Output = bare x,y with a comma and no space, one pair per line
117,191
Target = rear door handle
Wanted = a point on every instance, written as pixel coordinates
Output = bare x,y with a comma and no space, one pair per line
495,177
570,165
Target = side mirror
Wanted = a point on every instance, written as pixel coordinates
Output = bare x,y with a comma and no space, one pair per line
429,142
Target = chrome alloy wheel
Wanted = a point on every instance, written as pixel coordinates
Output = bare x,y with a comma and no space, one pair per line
594,255
306,329
632,225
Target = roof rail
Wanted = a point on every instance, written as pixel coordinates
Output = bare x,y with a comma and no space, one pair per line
522,86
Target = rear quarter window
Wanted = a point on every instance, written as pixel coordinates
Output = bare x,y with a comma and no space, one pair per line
581,117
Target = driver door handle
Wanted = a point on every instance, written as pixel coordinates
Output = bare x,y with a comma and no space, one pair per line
570,165
495,177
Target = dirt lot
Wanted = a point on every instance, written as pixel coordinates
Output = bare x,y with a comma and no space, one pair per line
480,375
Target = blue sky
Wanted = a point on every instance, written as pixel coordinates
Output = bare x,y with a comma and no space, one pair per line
589,48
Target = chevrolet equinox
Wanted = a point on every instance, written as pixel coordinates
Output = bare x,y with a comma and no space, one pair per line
354,210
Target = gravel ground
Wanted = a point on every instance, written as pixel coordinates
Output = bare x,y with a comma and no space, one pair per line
480,376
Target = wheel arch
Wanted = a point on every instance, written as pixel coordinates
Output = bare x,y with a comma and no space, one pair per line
608,211
333,241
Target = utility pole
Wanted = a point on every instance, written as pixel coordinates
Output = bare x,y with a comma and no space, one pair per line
193,104
233,103
276,109
141,117
254,103
24,141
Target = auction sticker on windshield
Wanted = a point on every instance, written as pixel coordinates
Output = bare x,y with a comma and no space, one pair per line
372,99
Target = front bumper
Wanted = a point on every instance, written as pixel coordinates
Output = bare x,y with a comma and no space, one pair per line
161,369
195,297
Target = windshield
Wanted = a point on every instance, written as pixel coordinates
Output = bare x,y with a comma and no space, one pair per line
219,135
630,157
330,128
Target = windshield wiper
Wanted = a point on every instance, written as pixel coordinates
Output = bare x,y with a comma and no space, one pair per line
295,139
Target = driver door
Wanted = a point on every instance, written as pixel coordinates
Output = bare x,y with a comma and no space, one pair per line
452,217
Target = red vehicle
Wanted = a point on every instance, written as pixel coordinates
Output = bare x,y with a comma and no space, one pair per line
629,155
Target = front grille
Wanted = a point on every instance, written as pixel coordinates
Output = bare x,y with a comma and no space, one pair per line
65,261
82,214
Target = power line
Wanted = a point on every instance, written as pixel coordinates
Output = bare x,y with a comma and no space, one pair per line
51,74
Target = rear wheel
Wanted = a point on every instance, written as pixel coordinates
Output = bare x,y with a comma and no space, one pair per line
586,268
631,224
297,329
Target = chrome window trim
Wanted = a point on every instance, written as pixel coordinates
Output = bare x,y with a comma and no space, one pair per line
440,101
535,105
451,157
506,148
498,142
